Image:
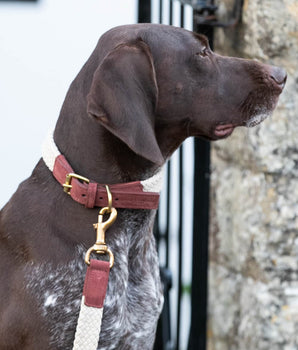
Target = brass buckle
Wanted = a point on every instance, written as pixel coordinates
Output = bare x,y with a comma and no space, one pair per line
67,185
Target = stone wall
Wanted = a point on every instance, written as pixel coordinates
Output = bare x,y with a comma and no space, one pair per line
253,277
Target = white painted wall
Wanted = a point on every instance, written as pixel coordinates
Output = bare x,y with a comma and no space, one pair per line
43,45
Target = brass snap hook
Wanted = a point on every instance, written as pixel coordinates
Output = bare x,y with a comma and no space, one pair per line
100,246
109,222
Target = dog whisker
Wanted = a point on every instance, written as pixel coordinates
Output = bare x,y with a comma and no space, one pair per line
256,119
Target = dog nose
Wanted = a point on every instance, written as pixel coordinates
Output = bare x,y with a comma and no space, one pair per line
279,75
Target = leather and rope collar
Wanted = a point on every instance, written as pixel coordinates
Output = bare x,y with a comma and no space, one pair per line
130,195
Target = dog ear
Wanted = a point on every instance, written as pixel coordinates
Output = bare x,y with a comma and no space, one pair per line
123,97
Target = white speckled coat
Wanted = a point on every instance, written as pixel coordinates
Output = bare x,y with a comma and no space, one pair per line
134,288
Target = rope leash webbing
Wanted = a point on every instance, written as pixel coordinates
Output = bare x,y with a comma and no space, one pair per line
90,317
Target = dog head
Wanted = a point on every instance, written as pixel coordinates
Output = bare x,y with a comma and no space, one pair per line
156,85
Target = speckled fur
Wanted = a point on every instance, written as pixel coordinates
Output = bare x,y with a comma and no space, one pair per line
134,289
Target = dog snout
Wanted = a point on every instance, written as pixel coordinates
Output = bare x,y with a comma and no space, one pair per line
279,76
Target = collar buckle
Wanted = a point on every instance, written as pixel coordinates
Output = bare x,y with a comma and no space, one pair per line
67,185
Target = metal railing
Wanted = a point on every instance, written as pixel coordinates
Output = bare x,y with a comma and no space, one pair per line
170,330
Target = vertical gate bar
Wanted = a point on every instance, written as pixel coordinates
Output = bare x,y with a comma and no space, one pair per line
171,12
199,292
180,227
182,15
156,232
168,201
160,10
144,11
168,198
180,247
198,332
163,334
166,273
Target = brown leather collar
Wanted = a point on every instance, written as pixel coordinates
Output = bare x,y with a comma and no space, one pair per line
131,195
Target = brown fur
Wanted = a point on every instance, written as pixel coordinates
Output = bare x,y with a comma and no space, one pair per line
144,90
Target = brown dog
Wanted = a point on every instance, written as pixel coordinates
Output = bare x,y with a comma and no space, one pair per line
144,90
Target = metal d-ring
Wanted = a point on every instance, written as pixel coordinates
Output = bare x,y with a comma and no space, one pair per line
110,198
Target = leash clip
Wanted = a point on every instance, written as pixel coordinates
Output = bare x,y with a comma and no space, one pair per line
100,246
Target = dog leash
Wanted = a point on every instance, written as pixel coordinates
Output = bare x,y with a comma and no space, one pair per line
134,195
95,285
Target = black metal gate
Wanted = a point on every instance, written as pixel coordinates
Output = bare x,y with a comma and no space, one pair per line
175,204
178,203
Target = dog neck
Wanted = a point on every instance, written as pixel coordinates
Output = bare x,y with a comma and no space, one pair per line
93,150
137,195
